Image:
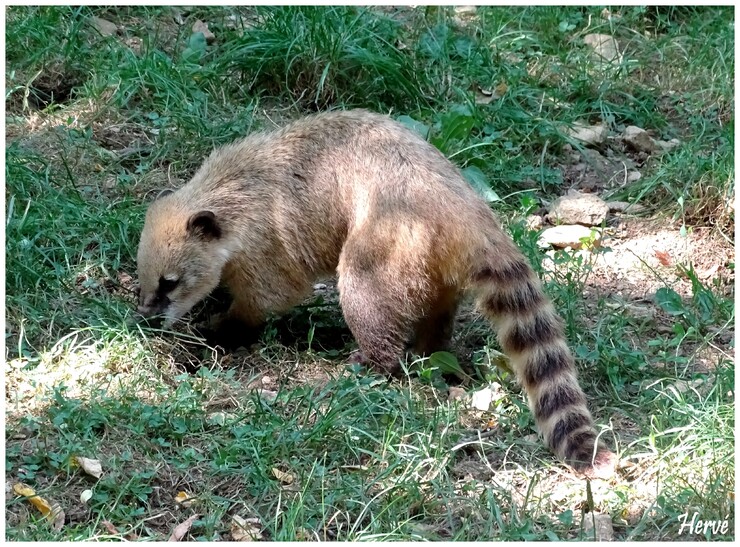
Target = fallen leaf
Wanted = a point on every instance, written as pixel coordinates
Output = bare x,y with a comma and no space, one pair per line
38,502
481,399
483,96
183,528
486,96
110,528
184,499
89,466
245,529
709,273
354,467
664,258
282,476
52,511
302,534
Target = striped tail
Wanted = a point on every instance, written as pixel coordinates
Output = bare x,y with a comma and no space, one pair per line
529,330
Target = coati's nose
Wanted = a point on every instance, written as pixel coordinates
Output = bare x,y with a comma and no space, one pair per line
149,316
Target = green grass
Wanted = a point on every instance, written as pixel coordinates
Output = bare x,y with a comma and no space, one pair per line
97,125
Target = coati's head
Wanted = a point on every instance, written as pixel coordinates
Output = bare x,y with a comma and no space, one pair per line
180,259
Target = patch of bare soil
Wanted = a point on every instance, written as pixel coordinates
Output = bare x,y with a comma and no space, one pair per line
643,255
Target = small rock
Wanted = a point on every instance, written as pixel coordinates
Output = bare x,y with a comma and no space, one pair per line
568,235
639,139
667,146
456,393
267,381
598,527
605,47
534,222
135,44
634,176
578,208
588,134
267,395
103,26
200,26
640,312
683,386
624,207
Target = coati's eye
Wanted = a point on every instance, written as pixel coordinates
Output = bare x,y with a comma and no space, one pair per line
167,285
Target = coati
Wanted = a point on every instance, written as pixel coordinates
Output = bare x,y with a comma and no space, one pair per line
360,195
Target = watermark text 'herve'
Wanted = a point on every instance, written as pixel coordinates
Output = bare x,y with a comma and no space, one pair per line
695,525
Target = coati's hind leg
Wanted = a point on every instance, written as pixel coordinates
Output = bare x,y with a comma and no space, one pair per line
379,329
433,331
381,298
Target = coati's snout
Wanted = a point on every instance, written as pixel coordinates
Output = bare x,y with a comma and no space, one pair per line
180,259
153,306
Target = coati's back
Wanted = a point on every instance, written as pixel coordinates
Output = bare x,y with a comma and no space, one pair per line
359,193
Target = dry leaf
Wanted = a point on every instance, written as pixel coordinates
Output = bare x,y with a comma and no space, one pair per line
481,399
38,502
282,476
354,467
302,534
709,273
485,96
183,499
664,258
57,517
183,528
245,529
110,528
89,466
52,511
500,90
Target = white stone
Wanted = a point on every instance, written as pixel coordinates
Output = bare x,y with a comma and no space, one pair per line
568,235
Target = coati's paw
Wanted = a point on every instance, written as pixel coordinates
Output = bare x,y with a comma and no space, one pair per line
603,466
358,356
228,333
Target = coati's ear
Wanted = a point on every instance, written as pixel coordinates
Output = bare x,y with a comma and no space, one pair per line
203,224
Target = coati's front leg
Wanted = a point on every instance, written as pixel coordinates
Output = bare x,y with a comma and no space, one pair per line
239,326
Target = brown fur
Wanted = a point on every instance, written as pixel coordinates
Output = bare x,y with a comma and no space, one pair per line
359,195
